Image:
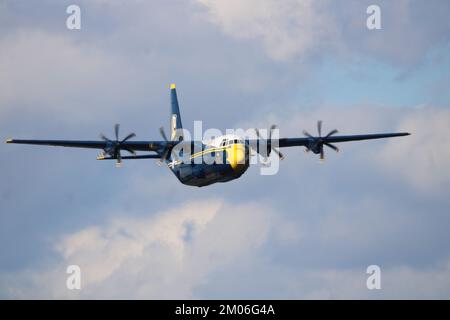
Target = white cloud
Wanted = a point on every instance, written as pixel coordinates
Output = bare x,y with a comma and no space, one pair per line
203,247
287,28
166,255
422,158
53,73
304,28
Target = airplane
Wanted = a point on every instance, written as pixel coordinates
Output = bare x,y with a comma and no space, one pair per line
228,154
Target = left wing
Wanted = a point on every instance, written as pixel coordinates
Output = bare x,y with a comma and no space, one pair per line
316,144
294,142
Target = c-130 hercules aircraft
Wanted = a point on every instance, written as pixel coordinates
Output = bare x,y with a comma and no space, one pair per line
230,153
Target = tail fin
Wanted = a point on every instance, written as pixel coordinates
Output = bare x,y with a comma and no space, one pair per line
176,132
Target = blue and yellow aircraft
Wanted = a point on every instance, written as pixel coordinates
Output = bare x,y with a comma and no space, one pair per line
228,155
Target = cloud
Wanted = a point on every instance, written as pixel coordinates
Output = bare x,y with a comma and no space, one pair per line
399,281
44,72
309,231
287,29
305,28
422,158
213,249
166,255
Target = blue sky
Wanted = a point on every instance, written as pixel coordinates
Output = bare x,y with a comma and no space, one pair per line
369,81
308,232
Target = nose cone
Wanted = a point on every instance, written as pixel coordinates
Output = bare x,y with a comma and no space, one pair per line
236,157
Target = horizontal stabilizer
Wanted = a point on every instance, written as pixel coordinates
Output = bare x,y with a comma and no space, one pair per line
147,156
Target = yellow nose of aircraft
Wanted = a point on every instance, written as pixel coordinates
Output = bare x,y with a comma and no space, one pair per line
236,156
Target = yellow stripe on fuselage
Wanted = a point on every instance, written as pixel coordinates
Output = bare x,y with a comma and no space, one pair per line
203,152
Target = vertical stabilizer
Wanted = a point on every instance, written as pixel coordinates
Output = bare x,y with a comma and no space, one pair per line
176,127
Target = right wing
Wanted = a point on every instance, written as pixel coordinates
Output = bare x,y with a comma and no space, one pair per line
156,146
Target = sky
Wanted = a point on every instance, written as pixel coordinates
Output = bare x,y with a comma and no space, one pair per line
308,232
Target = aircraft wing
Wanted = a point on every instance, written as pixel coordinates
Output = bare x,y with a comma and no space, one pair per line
316,144
131,145
308,141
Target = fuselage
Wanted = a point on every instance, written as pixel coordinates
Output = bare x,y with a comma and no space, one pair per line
200,164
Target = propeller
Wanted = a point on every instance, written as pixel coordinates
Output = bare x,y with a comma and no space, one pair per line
114,146
317,143
269,142
165,155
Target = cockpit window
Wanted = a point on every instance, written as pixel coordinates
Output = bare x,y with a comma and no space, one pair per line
226,142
